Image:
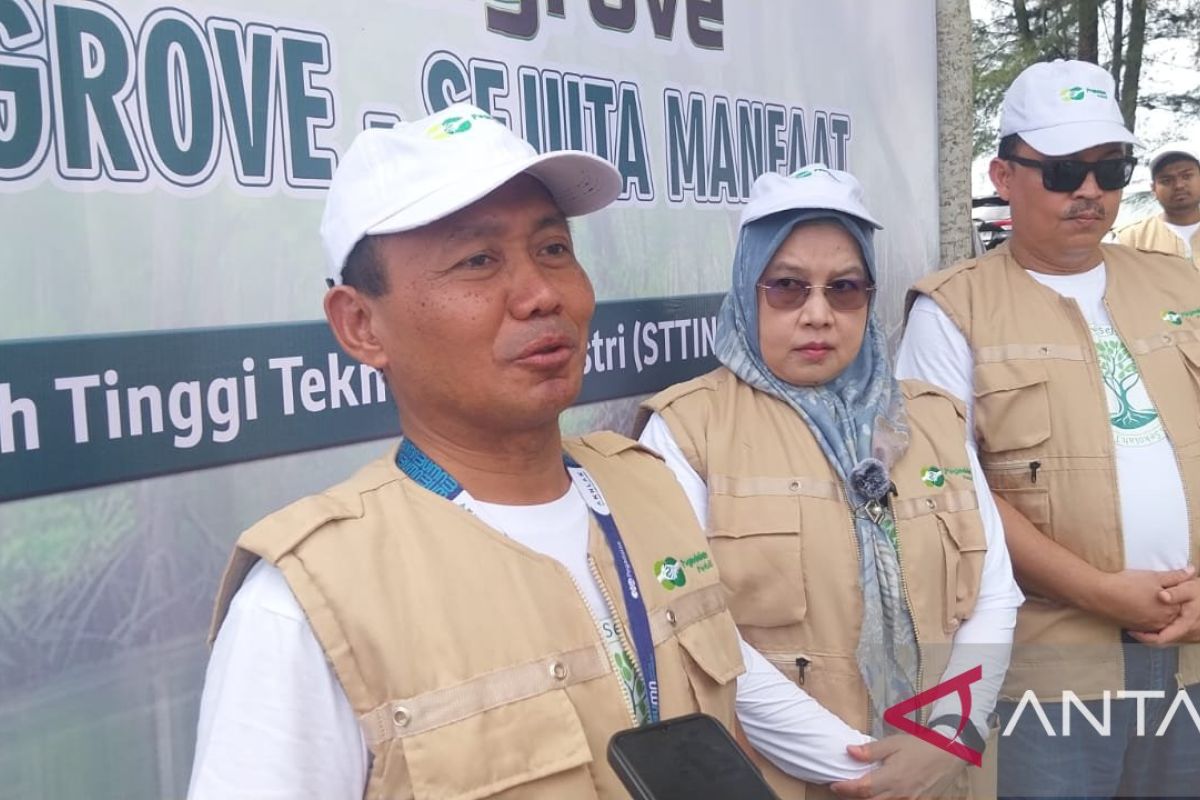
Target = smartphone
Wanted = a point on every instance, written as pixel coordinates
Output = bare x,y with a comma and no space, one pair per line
686,758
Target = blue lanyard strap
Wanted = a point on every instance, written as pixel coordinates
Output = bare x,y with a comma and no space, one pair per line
413,462
635,606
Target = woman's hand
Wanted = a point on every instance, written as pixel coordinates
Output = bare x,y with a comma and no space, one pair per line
907,767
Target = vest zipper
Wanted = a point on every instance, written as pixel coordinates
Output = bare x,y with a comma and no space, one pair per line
912,615
619,627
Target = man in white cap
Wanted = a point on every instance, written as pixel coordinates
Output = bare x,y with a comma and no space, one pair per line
1175,176
475,614
1079,363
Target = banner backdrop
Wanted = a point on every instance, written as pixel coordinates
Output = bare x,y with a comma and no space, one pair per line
165,378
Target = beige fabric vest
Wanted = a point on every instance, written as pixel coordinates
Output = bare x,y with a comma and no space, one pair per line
1152,233
1039,398
781,531
474,664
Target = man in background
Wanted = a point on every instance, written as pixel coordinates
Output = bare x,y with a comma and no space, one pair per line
1175,172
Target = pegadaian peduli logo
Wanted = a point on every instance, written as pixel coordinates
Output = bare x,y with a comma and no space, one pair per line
669,572
935,477
1177,317
453,125
1073,94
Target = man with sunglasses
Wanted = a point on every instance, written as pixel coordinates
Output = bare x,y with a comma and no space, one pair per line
1175,172
1079,363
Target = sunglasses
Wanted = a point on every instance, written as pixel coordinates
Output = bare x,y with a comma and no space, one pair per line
1067,175
844,294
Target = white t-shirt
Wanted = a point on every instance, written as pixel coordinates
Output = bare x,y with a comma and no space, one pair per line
1185,233
984,639
275,722
1154,519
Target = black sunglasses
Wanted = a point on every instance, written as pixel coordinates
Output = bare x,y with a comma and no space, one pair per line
1067,175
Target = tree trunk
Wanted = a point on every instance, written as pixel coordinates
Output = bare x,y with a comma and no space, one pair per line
1022,14
956,111
1089,24
1133,61
1118,45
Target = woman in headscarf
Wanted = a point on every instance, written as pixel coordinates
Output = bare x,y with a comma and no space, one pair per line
846,513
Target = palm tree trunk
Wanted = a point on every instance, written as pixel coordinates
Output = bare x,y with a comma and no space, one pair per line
1118,44
1133,61
1089,21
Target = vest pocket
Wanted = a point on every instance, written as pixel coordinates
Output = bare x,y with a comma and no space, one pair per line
755,541
532,748
712,659
1012,405
964,545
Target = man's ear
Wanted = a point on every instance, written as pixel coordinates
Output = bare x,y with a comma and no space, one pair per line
350,317
1001,173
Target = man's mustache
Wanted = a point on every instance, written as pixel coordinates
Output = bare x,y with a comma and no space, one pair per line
1085,208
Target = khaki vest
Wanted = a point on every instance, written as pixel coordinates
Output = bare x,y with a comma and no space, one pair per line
1152,233
781,531
1040,400
473,663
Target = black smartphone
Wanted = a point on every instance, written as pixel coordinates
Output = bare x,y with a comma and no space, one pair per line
686,758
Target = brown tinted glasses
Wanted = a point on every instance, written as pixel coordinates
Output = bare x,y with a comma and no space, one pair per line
843,294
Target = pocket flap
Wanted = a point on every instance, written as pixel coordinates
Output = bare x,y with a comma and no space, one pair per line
733,516
965,529
499,749
712,643
1002,376
1012,406
1191,353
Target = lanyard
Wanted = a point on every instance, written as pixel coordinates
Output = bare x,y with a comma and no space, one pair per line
413,462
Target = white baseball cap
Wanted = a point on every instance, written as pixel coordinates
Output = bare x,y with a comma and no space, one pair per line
813,187
1177,149
401,178
1061,107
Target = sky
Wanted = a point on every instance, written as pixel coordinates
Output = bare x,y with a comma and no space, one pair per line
1168,65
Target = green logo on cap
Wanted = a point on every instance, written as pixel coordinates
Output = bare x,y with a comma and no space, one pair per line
807,172
669,573
1076,93
450,126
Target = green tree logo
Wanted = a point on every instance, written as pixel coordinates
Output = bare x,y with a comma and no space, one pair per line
669,573
933,477
634,683
1121,375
